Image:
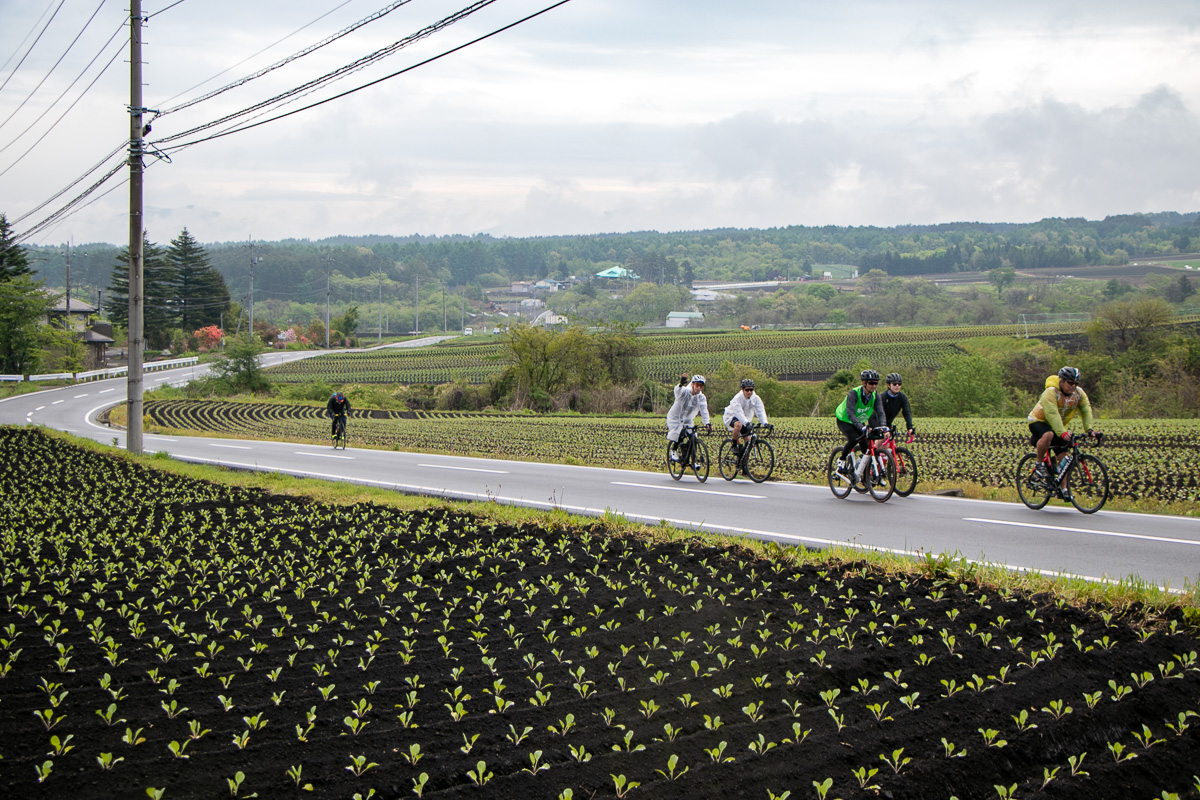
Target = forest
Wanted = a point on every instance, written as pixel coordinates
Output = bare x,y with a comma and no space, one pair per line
357,269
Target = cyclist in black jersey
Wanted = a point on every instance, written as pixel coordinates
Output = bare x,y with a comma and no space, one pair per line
895,403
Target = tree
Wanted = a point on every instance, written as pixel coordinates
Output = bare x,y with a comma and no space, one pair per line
966,386
23,305
617,350
544,362
1129,323
240,367
1180,290
1002,278
200,293
347,323
159,302
12,256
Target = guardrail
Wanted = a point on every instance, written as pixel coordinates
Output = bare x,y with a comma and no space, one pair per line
101,374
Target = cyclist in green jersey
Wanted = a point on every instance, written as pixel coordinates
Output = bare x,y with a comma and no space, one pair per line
861,411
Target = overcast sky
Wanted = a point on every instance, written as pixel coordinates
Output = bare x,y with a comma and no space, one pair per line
614,115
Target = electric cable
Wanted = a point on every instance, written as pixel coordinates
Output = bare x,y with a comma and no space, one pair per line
30,50
54,124
82,72
50,72
168,8
33,28
71,204
358,88
341,71
306,51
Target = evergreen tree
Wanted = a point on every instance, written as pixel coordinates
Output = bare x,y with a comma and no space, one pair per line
23,307
201,296
12,256
159,306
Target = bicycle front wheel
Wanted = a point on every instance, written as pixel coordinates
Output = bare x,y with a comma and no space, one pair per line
760,461
700,460
727,461
906,472
1033,490
839,484
1087,479
675,468
881,482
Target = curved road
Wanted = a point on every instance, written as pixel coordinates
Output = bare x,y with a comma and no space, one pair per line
1163,550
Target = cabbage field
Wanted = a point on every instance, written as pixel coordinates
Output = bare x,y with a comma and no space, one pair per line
1153,459
170,637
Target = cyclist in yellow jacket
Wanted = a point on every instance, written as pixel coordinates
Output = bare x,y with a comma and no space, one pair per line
1061,399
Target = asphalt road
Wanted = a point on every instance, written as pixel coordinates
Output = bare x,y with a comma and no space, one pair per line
1163,550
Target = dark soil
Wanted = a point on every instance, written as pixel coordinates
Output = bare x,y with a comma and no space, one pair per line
186,592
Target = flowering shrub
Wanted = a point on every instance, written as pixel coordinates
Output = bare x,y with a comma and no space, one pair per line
208,337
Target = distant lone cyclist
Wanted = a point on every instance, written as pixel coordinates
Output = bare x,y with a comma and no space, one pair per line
338,406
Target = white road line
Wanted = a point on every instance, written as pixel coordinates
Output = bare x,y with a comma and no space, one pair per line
79,396
465,469
324,455
1088,531
56,402
106,391
39,408
160,380
230,446
685,489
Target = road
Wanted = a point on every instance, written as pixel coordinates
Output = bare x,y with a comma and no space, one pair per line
1162,550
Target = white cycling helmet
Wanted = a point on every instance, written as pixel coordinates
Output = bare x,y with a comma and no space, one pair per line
698,379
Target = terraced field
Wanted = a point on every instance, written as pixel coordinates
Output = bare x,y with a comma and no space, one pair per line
777,353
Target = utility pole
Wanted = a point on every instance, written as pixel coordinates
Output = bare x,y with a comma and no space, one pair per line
133,433
68,292
253,260
380,330
328,272
443,309
417,305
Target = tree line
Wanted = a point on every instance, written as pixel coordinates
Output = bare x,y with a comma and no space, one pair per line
299,269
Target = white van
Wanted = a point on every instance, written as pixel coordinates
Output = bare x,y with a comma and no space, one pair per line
467,331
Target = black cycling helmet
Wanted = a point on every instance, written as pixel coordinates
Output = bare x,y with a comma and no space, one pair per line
1069,374
698,379
893,377
747,383
869,375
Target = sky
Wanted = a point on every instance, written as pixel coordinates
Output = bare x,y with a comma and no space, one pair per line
603,116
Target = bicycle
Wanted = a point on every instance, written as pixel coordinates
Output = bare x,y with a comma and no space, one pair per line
756,460
879,474
692,452
339,432
1086,478
906,466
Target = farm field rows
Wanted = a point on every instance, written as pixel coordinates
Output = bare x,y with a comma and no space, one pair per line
166,633
1145,458
774,352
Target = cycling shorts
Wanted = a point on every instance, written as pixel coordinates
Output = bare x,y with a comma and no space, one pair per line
1039,429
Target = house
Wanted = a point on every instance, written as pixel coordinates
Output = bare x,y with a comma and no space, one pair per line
708,295
681,319
520,287
75,318
547,286
618,272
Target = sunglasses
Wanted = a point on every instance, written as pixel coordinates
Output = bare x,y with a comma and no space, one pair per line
872,383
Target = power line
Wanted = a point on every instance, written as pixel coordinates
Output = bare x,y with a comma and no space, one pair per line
168,8
429,60
56,63
30,50
341,71
33,28
82,94
306,51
